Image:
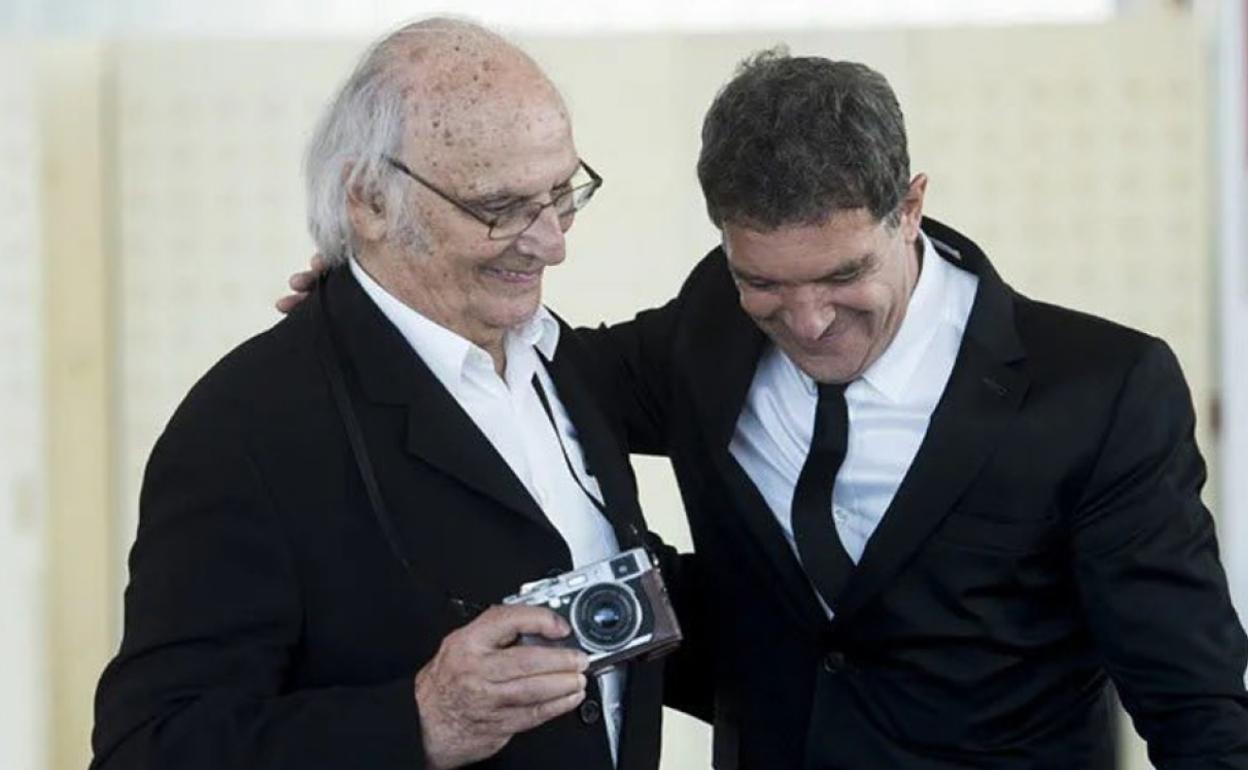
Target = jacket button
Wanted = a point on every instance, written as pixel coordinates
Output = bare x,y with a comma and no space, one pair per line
834,662
591,712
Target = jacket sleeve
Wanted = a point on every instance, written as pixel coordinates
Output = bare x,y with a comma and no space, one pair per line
1154,592
213,622
688,672
632,361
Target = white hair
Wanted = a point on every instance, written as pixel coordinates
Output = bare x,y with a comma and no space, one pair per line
360,127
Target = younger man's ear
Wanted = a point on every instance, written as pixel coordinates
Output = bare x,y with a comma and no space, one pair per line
912,206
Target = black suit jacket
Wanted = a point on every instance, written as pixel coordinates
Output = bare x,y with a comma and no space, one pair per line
268,623
1049,537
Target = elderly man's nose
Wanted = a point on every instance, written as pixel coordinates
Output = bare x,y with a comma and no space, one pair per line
544,238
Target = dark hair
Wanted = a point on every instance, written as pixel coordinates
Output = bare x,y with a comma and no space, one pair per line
791,140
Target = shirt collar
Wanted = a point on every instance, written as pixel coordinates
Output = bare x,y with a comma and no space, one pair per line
446,353
890,373
540,332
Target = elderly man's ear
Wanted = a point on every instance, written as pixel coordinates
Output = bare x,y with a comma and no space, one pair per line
367,210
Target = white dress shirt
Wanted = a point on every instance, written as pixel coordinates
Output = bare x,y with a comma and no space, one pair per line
510,414
890,406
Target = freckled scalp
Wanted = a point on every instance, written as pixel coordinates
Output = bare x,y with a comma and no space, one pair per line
468,92
450,67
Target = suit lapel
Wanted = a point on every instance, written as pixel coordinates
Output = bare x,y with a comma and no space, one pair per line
724,359
984,392
439,432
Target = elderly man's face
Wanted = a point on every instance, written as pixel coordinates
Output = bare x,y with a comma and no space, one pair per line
832,296
492,133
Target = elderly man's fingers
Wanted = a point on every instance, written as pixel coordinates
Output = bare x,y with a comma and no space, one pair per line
532,660
534,690
502,626
518,719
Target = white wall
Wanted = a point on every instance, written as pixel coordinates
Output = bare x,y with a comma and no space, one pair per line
1230,32
23,674
284,18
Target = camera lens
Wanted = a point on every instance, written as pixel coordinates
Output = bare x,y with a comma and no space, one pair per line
606,616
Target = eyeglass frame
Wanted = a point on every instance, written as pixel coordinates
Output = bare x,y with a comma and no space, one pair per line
595,182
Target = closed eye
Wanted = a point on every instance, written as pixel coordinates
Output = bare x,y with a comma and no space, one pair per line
851,272
759,284
499,207
841,279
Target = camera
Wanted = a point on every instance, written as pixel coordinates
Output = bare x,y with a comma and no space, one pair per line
618,609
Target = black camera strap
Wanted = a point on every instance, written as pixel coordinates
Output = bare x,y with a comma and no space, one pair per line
327,352
550,414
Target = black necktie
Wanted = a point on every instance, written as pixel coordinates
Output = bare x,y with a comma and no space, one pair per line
823,555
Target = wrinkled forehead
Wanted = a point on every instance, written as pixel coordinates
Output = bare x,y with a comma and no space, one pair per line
484,116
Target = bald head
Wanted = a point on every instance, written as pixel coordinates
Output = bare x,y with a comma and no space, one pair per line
452,98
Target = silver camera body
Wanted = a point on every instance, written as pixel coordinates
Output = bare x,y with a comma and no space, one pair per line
618,609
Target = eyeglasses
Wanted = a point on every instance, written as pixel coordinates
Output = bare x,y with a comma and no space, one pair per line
568,199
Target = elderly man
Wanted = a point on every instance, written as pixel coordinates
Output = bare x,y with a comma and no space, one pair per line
334,504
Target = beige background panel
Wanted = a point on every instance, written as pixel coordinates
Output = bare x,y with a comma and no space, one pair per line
23,692
78,280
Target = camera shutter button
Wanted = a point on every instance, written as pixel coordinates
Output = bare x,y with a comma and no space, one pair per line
590,711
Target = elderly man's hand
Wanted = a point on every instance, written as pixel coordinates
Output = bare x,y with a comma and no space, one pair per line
301,283
481,688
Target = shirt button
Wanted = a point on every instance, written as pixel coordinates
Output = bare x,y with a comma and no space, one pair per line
590,712
834,662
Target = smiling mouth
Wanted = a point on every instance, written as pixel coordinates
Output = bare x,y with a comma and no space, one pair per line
518,277
829,338
829,343
833,332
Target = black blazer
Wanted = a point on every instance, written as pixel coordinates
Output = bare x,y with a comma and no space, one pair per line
1048,538
268,623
